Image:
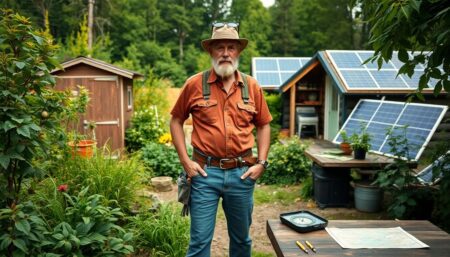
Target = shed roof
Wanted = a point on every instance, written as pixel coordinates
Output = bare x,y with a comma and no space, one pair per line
351,76
100,65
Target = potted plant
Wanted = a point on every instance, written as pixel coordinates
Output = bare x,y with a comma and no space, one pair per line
360,144
345,144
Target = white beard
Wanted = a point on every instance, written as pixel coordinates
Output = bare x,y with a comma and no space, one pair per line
225,70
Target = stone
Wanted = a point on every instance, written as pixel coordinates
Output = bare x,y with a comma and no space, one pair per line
162,184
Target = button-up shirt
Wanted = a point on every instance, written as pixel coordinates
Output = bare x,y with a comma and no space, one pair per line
223,124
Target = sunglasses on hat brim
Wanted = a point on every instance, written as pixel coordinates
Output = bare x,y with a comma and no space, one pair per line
217,25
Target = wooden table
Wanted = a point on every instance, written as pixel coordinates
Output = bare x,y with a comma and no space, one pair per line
372,161
331,176
283,239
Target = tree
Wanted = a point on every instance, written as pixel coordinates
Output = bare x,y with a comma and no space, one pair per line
420,26
29,109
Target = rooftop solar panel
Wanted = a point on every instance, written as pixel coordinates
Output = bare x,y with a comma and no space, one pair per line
356,75
275,71
416,121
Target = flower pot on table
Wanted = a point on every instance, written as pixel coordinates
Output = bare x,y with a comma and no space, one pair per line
359,154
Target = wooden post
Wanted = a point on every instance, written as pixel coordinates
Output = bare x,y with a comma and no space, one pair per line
292,111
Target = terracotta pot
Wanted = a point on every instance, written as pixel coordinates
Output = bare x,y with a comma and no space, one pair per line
346,148
83,148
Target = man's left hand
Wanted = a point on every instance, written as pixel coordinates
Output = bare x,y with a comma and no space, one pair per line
254,172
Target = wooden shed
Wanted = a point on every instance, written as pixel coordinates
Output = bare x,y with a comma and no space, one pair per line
111,97
333,81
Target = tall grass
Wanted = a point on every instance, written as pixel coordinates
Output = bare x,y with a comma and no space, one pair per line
115,179
164,233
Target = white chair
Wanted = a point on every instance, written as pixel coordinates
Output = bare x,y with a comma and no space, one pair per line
307,116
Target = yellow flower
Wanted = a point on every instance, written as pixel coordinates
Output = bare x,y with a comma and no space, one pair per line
166,138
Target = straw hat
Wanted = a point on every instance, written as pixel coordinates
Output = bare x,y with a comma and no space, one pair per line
224,33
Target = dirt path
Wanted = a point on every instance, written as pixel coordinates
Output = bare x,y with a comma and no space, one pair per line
263,212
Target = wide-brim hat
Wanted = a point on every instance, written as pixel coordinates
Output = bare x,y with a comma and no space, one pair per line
224,33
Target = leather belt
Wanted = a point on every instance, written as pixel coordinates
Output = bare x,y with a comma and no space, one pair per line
245,159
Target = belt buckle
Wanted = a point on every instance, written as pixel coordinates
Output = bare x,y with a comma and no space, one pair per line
220,162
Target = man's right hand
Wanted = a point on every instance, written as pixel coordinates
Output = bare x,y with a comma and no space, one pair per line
193,169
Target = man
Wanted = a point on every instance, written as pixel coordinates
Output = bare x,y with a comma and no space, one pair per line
225,106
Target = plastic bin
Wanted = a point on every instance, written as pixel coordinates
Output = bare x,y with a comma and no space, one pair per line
331,186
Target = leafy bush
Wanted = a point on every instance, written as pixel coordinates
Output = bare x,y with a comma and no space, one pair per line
22,231
161,159
89,229
274,103
398,179
29,106
288,163
117,180
146,127
164,233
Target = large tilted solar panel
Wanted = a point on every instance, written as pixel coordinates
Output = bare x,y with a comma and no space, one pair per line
417,121
274,71
356,75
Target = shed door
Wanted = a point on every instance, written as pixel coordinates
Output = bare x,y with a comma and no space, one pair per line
331,110
104,110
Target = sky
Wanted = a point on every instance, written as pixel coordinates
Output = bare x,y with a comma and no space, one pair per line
267,3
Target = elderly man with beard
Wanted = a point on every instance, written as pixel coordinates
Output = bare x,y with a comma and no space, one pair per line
226,105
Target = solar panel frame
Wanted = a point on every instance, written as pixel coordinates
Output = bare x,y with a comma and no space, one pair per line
370,114
284,69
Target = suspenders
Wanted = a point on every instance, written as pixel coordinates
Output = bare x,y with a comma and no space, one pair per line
207,91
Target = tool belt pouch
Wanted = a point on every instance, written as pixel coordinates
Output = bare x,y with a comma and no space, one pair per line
184,192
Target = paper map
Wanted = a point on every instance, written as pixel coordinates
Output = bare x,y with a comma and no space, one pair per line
356,238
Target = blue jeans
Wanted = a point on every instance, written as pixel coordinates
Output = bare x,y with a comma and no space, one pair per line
237,203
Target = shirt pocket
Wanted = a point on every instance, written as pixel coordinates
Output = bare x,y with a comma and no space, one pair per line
246,113
206,110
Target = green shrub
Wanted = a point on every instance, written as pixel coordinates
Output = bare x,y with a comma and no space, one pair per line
22,231
307,188
288,163
115,179
164,233
274,103
146,127
161,159
398,179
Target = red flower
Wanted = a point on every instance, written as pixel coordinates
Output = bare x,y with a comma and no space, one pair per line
63,188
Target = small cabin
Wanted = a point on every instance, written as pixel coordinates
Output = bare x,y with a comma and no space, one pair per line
111,97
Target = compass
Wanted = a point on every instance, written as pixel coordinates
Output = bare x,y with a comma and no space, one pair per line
303,221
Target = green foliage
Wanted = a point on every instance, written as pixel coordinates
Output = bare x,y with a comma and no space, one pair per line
288,163
146,127
285,195
418,26
307,188
161,159
360,141
442,208
274,103
164,233
398,179
22,231
116,180
30,107
89,229
344,136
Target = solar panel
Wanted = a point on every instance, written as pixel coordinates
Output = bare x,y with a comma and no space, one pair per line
275,71
416,121
426,175
356,75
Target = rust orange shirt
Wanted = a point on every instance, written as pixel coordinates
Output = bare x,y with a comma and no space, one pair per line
222,125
